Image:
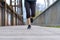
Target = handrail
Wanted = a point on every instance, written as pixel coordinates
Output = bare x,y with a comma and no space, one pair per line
13,12
9,7
47,9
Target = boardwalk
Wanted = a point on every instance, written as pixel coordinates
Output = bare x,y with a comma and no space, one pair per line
35,33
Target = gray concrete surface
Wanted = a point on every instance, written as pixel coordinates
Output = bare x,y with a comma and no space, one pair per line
35,33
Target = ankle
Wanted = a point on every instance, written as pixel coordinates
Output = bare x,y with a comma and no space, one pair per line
28,21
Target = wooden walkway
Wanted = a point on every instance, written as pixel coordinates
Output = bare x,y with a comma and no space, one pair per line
35,33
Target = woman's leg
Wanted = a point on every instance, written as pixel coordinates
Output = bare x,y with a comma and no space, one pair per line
33,9
27,6
29,23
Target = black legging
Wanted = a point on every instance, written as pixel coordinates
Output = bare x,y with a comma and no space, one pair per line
30,5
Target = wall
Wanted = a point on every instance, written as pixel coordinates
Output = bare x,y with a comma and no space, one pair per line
50,17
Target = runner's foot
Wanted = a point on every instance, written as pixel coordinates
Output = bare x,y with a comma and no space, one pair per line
29,27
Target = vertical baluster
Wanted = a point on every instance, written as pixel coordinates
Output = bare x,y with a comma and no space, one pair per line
15,11
6,14
3,13
11,13
0,16
11,18
7,17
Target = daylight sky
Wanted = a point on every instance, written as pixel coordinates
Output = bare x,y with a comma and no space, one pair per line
40,1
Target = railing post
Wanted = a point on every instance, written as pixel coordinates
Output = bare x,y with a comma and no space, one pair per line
3,13
6,15
11,13
0,15
15,18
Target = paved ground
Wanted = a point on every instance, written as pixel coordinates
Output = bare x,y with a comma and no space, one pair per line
35,33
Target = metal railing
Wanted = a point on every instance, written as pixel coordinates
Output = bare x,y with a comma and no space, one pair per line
8,16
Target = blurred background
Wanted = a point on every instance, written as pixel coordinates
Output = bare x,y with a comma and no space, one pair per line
18,7
41,5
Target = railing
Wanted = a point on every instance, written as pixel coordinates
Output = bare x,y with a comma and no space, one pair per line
50,16
8,16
